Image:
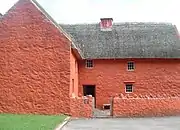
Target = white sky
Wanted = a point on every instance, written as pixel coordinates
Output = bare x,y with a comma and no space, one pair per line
90,11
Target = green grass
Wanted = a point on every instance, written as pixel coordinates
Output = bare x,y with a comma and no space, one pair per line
29,122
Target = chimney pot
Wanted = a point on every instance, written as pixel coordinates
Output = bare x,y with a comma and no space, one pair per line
106,24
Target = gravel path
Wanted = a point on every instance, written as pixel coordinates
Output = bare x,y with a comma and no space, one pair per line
161,123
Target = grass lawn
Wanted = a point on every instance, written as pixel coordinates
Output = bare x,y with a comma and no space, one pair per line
29,122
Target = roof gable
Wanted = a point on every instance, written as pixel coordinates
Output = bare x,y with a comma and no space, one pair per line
40,8
56,25
49,17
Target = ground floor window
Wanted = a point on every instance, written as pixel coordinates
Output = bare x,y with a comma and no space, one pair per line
129,88
72,85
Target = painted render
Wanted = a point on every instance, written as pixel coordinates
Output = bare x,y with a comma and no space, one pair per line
42,71
34,63
146,107
74,75
150,77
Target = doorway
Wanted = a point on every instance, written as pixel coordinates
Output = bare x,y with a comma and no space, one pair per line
90,90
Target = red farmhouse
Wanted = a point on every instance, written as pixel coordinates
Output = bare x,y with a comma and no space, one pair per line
47,68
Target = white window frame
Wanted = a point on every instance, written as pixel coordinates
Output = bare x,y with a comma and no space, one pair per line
129,67
126,88
88,63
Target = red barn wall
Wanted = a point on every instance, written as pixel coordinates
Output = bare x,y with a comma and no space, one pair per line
34,63
74,75
151,76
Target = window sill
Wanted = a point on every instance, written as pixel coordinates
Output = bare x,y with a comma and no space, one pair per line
89,67
128,92
130,70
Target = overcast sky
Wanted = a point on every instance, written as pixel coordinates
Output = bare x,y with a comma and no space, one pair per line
90,11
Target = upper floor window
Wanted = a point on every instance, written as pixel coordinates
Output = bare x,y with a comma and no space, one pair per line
130,65
76,67
89,63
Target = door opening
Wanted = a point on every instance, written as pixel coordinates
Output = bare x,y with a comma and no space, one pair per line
90,90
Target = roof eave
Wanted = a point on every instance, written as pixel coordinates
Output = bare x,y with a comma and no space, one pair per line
77,53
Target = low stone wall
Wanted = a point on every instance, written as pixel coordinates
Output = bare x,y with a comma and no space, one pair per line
146,106
81,106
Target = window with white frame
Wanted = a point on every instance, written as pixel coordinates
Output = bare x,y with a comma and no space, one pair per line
129,88
89,63
130,65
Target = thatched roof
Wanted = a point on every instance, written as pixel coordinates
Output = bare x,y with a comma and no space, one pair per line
126,40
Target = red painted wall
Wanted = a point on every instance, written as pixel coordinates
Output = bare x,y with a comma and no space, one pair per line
74,75
34,63
143,107
151,76
81,106
37,68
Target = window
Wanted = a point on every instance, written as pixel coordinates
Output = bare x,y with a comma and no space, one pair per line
89,63
130,65
76,67
72,85
129,88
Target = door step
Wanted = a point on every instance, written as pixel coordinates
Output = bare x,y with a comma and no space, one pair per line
97,113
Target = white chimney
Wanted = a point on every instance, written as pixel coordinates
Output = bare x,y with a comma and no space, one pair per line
106,24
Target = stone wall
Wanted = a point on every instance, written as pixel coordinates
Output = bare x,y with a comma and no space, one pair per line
81,106
34,63
144,106
150,76
74,75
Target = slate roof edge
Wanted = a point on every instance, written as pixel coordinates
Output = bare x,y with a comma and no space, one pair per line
120,23
131,58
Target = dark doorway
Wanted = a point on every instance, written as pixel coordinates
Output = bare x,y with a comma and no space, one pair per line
90,90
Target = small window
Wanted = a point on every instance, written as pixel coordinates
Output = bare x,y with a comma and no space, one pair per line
129,88
76,67
89,63
72,85
130,65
